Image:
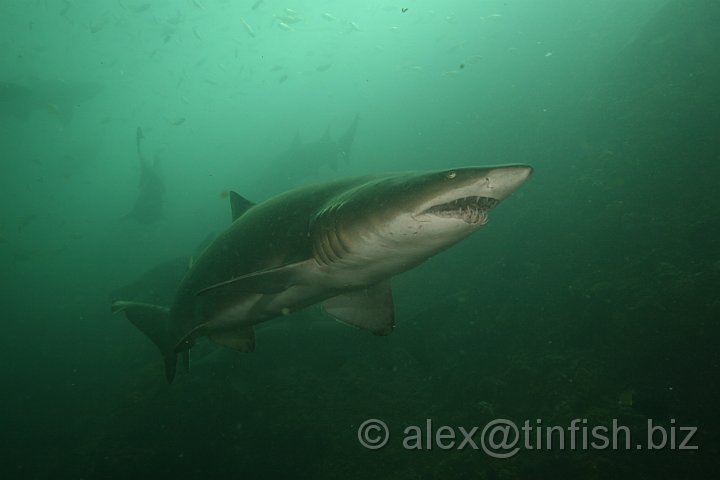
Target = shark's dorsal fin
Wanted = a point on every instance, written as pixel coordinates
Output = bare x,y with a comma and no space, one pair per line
326,136
370,308
239,205
345,142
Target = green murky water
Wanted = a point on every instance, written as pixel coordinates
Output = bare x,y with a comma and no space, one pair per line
590,296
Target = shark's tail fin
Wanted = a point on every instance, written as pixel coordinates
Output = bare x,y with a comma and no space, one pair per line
153,321
139,137
346,141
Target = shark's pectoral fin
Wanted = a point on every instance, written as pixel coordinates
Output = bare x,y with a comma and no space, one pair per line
266,282
240,339
153,321
370,308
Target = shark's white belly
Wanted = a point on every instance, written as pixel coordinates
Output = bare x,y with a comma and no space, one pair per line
252,309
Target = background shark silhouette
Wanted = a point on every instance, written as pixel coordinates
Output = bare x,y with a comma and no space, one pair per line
304,160
56,98
148,206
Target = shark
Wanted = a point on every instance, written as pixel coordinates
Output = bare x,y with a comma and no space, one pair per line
159,283
56,98
148,207
302,159
337,243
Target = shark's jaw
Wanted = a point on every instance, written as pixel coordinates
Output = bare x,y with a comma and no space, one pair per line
391,225
472,210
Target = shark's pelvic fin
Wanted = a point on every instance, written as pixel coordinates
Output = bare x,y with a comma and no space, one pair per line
327,136
370,308
153,321
297,141
266,282
239,205
346,141
240,339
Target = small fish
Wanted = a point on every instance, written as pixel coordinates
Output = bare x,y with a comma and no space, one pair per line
282,79
197,34
248,28
284,26
323,68
256,4
287,19
140,8
176,19
329,17
198,4
493,15
224,194
178,121
355,26
24,221
67,6
97,25
53,109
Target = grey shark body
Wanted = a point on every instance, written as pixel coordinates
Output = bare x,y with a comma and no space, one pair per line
336,243
148,207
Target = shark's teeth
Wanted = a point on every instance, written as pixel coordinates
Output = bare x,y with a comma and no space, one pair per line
473,210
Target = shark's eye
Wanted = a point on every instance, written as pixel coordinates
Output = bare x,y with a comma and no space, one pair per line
451,174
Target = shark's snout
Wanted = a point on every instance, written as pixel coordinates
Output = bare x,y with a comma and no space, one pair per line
503,181
469,193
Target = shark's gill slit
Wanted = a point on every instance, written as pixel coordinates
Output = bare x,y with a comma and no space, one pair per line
335,244
320,250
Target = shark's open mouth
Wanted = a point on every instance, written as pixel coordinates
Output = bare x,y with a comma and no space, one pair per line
471,210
